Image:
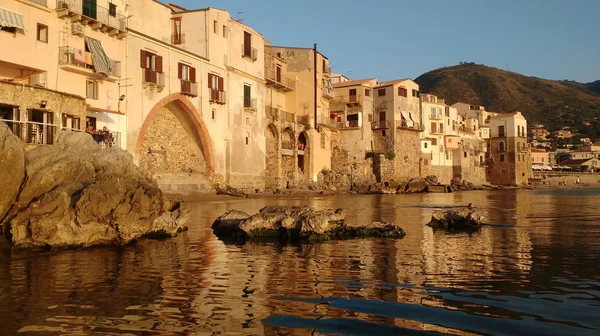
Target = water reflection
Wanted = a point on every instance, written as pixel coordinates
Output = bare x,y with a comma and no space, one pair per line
532,271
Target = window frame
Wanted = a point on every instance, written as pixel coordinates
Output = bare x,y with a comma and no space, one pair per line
96,89
41,27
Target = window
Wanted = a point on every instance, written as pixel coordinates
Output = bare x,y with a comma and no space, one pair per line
70,122
91,89
247,95
370,117
224,31
177,37
402,92
89,8
215,27
425,145
381,92
465,154
247,44
434,142
415,93
500,131
441,128
248,123
324,65
112,10
382,132
501,157
352,92
186,73
433,127
447,156
214,114
215,86
501,146
150,61
247,139
42,33
367,93
447,108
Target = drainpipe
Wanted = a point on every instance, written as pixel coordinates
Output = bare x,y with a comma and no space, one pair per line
315,83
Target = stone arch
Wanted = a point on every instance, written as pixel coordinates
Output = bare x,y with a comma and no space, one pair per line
501,146
185,124
273,159
288,161
304,154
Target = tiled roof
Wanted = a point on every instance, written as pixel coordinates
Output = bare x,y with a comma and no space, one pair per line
392,82
353,82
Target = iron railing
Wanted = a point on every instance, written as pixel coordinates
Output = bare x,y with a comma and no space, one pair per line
91,10
67,57
40,2
189,88
279,80
217,96
31,132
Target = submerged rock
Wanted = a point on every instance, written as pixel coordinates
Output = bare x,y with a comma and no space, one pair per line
77,194
455,220
297,223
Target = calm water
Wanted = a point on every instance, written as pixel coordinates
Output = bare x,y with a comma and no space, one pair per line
533,271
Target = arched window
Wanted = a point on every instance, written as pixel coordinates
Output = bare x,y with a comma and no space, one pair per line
501,146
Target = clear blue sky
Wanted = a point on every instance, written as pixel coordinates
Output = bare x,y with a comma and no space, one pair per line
388,39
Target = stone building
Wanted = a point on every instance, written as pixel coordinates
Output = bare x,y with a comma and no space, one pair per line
510,159
312,129
396,126
195,97
63,52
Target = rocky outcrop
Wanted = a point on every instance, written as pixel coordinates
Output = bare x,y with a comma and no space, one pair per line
297,223
12,168
455,220
77,194
229,190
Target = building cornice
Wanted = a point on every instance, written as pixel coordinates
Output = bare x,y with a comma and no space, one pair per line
245,74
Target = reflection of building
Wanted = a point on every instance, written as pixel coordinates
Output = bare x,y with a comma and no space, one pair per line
69,59
510,156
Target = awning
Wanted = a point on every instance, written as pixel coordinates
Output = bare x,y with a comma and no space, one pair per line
413,118
407,118
11,19
100,61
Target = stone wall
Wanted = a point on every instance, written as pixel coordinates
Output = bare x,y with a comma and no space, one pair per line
273,159
27,97
408,154
510,171
289,171
247,183
169,148
443,173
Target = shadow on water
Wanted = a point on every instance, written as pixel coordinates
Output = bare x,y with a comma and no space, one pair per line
532,271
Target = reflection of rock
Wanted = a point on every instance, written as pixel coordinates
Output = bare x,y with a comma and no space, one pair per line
455,220
297,223
77,194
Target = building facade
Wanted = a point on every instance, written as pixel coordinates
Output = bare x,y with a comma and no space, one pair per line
510,162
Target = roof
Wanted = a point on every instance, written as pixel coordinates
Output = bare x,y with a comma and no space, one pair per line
396,81
508,115
538,150
301,48
575,162
353,82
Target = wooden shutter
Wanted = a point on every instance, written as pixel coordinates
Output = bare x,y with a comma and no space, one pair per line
159,64
247,44
143,62
210,81
192,75
179,70
220,83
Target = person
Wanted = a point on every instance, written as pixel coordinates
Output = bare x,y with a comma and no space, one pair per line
471,206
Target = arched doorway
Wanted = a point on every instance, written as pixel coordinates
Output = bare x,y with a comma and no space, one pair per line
272,171
288,164
174,139
304,155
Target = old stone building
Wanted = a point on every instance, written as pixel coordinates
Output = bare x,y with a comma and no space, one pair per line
510,162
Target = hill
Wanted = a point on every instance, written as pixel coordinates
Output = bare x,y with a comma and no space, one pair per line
553,103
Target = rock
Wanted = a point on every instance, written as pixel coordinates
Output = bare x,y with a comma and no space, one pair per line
77,194
297,223
229,190
416,185
454,220
12,168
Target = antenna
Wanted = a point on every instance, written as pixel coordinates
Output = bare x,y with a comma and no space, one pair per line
238,18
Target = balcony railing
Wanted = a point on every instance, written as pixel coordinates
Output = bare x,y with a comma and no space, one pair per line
278,80
153,78
436,116
31,132
380,124
40,2
350,100
348,124
328,92
217,96
414,126
67,57
251,53
177,39
189,88
92,12
287,116
272,112
250,104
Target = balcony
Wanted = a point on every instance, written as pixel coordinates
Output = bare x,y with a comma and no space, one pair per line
217,96
287,116
279,81
436,116
97,17
381,124
302,120
403,124
350,124
250,104
249,52
328,92
177,39
189,88
152,78
349,100
40,2
272,112
83,65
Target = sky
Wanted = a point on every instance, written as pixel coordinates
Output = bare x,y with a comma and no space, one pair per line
390,39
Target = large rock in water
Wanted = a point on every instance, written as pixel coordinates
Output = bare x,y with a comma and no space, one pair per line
12,168
297,223
455,220
77,194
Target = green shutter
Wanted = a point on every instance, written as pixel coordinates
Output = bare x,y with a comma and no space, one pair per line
247,97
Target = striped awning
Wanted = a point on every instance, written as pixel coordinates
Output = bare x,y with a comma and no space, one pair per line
11,19
100,61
